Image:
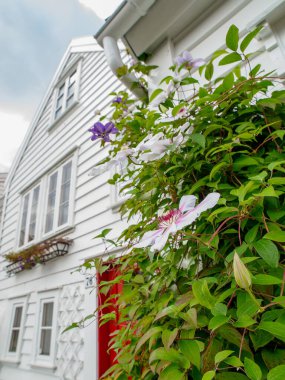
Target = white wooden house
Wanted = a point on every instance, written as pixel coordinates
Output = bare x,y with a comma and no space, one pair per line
49,193
57,155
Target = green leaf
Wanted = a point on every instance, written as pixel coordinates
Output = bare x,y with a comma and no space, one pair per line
209,71
249,37
275,328
155,94
147,336
228,81
251,234
244,321
230,376
232,38
233,336
222,355
218,321
202,294
230,58
268,251
260,338
234,361
209,375
170,355
171,372
252,370
276,236
267,192
190,349
103,234
273,358
266,279
277,373
168,337
198,139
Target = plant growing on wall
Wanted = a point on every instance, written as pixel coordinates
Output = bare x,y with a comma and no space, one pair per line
203,270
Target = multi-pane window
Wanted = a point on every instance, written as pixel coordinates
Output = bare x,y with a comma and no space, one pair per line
66,93
29,216
58,199
16,327
46,324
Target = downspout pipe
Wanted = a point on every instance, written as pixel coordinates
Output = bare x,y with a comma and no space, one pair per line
115,61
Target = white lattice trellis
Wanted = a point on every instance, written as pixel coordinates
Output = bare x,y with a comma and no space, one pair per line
70,344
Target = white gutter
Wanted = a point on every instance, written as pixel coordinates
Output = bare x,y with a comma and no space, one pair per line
114,60
114,29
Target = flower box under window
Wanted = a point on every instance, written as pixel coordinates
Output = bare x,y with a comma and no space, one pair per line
36,254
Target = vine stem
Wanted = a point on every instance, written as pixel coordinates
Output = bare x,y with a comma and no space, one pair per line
241,343
220,227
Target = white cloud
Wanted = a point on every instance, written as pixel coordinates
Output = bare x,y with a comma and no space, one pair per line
104,8
13,128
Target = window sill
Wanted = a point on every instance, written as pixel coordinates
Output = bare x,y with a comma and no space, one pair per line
43,364
11,360
62,116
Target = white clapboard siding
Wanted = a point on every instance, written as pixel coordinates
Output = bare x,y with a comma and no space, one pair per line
92,203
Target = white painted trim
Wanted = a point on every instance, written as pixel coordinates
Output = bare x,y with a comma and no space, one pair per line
14,357
45,361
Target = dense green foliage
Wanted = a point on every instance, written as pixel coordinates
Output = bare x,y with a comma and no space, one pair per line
183,314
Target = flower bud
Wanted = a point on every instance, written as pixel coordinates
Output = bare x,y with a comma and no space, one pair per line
241,273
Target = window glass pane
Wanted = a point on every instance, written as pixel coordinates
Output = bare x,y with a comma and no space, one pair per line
69,100
61,90
14,341
64,194
45,342
51,202
33,217
17,316
47,314
72,78
59,102
24,220
58,113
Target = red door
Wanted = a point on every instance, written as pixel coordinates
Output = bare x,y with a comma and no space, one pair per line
107,357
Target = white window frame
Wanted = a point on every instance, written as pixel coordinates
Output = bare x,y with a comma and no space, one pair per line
43,182
46,361
30,192
69,223
64,82
10,356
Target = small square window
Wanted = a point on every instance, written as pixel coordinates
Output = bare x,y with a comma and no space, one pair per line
66,92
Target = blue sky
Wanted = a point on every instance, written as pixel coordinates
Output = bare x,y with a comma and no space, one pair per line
34,35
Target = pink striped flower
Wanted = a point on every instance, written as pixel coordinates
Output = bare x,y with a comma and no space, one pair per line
176,219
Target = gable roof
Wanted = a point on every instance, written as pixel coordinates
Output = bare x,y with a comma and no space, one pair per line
77,45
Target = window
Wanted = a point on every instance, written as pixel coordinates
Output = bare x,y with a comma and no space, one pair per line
46,332
67,92
29,216
58,198
46,324
16,327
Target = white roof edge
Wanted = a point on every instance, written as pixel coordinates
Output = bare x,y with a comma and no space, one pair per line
123,19
84,44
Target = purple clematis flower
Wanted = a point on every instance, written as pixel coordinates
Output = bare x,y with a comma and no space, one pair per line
101,131
188,61
118,99
176,219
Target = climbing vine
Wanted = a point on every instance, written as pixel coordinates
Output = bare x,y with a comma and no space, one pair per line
202,163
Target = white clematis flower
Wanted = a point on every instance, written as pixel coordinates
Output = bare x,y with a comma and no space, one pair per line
177,219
